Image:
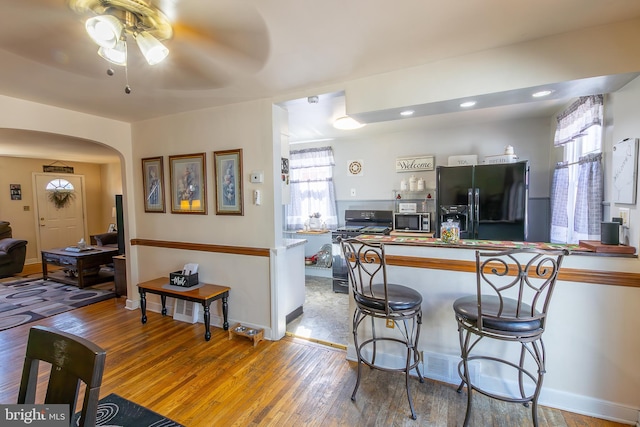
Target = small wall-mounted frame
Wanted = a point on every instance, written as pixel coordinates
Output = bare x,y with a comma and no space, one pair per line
16,191
228,176
188,184
153,182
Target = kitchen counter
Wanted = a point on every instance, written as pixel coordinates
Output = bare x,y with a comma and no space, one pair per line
413,240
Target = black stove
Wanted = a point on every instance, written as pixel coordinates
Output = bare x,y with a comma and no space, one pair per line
357,222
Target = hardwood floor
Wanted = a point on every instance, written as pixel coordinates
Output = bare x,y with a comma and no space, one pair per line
167,366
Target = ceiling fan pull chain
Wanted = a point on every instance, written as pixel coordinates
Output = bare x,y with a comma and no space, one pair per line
127,88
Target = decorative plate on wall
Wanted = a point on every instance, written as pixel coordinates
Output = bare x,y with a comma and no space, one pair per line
355,167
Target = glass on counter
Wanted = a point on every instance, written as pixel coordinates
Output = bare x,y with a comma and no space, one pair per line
450,231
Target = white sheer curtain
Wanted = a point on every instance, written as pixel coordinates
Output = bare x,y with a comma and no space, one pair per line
577,188
311,186
589,196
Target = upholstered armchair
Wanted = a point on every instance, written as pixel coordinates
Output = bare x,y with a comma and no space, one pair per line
12,251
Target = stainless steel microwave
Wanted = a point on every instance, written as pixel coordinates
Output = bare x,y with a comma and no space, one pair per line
415,222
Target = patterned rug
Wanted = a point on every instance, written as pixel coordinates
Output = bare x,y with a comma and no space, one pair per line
114,410
26,300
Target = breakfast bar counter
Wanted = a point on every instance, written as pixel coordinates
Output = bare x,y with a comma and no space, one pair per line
592,362
585,264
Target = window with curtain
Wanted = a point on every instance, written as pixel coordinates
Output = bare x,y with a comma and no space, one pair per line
577,189
311,188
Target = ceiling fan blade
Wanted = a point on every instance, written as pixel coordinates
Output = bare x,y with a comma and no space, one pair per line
47,32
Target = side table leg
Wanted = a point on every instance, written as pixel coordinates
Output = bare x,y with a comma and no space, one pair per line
225,313
80,267
45,272
207,320
164,304
143,306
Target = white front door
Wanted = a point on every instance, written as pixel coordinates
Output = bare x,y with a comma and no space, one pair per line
63,223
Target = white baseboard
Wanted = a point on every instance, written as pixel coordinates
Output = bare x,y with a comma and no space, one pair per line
444,368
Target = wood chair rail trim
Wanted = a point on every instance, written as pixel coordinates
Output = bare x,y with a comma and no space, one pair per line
616,278
203,247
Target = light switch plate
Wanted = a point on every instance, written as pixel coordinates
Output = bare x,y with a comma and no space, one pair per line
624,214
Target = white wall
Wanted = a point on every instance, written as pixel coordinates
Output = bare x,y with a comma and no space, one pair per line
246,126
529,137
625,109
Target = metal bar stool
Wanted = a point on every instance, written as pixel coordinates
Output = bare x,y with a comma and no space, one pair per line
514,289
377,299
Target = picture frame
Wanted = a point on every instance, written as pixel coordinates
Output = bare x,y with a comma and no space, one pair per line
625,171
188,181
228,178
153,184
112,228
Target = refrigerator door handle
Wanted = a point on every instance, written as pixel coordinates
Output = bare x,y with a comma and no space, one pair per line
471,206
476,213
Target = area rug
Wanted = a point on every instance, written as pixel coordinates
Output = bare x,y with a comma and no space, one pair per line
114,410
26,300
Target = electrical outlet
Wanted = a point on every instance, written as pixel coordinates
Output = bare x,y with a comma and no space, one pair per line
390,324
421,356
624,214
353,192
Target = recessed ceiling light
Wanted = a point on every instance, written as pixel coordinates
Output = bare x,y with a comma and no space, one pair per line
407,113
542,93
468,104
347,123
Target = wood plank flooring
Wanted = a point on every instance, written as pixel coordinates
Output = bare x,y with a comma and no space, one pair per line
167,366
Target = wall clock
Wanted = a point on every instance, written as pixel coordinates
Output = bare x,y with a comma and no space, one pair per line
355,167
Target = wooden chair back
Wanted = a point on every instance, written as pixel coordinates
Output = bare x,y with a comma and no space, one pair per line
74,360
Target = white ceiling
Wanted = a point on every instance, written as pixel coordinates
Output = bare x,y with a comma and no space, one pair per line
229,51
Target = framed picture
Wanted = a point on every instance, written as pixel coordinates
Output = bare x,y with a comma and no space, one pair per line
188,184
153,182
112,228
228,172
625,171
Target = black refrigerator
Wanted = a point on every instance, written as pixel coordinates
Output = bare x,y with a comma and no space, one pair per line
489,201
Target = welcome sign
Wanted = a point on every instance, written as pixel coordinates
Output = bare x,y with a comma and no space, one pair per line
415,163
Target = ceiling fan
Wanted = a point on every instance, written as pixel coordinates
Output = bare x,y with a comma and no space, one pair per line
211,43
116,20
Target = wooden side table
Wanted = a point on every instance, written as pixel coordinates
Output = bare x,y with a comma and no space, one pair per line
204,294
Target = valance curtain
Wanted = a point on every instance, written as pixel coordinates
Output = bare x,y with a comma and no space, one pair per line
311,187
580,116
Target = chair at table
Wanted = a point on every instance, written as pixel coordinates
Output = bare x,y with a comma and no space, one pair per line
382,302
514,288
73,360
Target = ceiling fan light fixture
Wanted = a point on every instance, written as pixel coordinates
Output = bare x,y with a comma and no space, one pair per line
104,30
116,55
153,51
347,123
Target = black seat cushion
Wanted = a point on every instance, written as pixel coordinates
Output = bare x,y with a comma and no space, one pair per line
401,298
467,307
